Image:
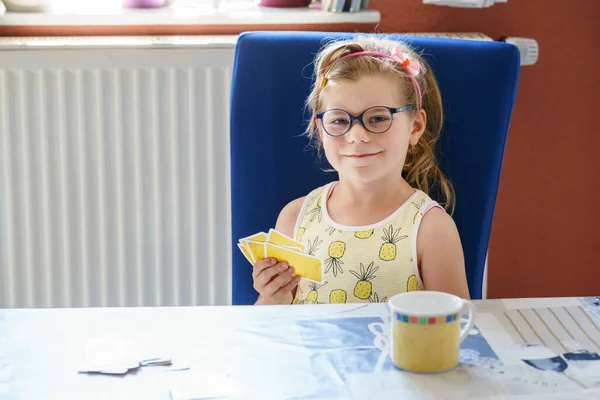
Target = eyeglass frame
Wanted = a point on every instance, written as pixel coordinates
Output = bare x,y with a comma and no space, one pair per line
359,118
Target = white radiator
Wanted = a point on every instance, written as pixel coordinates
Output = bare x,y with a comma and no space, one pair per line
114,175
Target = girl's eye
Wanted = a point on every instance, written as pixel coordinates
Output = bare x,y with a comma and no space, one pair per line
339,121
378,119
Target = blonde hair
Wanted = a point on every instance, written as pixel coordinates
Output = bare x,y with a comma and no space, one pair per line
421,169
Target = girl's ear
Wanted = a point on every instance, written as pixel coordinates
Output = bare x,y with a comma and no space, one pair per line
418,126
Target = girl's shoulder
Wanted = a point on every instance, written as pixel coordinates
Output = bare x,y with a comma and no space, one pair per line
423,202
295,209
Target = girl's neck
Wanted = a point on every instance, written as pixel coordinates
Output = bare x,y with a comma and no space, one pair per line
364,204
381,193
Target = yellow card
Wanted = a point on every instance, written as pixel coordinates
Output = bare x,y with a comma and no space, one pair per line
257,237
256,249
246,253
243,245
279,238
306,266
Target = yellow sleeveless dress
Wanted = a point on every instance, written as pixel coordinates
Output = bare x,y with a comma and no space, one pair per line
365,263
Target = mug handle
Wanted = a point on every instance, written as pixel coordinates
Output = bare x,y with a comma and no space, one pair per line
472,311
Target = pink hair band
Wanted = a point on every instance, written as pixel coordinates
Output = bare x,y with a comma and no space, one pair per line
412,68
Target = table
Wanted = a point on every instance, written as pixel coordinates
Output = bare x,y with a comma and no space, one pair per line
298,352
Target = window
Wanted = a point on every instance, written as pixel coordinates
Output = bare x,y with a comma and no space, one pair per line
177,17
112,6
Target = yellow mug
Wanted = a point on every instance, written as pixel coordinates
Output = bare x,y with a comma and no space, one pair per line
426,334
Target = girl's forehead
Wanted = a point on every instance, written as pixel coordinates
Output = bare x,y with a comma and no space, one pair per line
356,96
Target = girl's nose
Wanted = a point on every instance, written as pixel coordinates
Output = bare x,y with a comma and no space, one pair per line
358,133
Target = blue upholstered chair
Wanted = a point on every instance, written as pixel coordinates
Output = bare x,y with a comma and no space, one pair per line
272,165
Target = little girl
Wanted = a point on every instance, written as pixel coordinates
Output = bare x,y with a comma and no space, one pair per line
377,114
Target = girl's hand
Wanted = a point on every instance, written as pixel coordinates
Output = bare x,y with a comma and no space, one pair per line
274,281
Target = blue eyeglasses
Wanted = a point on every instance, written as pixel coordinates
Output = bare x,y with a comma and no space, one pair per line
378,119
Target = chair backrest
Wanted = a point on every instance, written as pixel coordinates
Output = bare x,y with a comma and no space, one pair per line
272,165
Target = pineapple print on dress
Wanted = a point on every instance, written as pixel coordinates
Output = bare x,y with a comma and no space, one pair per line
364,287
388,248
375,299
316,212
413,284
313,295
300,234
296,299
338,296
418,207
331,230
334,262
314,246
364,234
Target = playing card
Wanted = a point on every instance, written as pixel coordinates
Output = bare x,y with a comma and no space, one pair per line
257,237
256,249
279,238
246,253
111,355
283,248
118,355
306,266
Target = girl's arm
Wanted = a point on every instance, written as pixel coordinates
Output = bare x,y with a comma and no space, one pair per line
440,255
288,216
285,224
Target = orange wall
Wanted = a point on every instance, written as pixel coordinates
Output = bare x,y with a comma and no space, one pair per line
546,233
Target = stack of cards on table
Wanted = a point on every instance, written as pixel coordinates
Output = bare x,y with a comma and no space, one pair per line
283,248
116,355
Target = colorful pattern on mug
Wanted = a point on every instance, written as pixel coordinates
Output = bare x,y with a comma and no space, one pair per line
427,320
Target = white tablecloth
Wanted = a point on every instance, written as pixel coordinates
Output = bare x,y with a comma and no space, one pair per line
293,352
